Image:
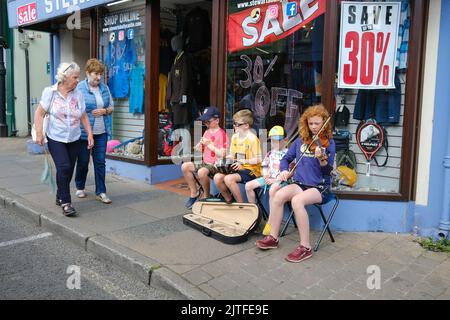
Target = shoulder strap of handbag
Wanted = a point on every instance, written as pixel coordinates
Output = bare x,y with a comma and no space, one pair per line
50,108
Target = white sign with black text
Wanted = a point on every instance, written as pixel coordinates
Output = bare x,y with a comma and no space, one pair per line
368,44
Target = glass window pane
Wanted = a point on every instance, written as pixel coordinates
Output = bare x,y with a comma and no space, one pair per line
278,80
185,73
356,170
122,49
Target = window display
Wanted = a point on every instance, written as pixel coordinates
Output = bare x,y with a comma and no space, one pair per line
185,72
370,161
122,48
278,79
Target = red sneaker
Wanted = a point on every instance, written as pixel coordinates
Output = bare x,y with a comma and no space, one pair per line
299,254
268,242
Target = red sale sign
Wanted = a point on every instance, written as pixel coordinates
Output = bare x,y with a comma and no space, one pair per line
270,21
368,44
27,14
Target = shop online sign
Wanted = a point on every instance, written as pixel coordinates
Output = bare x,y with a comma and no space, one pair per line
24,12
266,21
368,44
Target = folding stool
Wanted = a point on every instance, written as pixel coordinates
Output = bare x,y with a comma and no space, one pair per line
326,221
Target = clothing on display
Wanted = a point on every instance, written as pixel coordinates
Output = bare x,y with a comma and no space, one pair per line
403,35
166,54
196,30
136,101
120,57
162,93
179,89
201,77
381,104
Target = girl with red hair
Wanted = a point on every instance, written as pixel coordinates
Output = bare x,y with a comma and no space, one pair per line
309,184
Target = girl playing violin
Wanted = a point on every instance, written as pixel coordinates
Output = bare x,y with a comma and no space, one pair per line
310,182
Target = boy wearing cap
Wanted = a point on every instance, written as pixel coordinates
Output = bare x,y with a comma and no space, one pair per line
245,150
213,144
270,165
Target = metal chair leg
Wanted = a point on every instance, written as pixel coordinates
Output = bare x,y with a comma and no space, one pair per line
260,205
290,217
327,223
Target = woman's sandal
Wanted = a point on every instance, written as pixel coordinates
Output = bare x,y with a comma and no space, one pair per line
68,210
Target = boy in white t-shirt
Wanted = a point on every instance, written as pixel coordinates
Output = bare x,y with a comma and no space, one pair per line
213,144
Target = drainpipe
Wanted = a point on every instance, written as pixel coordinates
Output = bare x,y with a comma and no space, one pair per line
24,44
3,44
444,223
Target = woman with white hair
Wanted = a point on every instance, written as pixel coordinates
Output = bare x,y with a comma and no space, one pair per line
66,108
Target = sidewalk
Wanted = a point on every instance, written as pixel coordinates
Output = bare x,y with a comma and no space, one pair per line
142,233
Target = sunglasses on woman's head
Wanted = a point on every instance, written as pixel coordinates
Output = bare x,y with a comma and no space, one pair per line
70,66
237,124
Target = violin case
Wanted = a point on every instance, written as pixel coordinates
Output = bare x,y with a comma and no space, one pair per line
228,223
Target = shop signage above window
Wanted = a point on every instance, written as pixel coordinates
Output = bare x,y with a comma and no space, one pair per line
25,12
266,21
122,21
368,44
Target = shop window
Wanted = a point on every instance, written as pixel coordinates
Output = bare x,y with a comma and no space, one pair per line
371,115
185,73
122,49
281,76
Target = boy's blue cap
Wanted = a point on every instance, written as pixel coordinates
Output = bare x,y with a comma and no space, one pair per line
209,113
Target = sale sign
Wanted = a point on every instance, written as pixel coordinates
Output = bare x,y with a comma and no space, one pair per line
368,44
27,14
270,21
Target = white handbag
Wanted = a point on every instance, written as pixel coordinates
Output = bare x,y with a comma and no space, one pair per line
44,124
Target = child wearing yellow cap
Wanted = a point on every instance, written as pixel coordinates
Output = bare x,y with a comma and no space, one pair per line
270,165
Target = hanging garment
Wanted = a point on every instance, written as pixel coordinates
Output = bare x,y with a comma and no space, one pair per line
179,90
120,58
197,30
381,104
166,54
162,93
137,77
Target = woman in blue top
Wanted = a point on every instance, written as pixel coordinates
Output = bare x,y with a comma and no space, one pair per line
66,108
311,180
99,107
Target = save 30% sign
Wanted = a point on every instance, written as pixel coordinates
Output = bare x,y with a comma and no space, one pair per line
368,44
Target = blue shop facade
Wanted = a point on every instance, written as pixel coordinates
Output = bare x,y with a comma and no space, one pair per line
167,60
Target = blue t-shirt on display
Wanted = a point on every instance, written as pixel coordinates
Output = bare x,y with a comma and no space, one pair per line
136,102
121,57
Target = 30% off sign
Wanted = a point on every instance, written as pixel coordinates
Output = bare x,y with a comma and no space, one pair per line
368,44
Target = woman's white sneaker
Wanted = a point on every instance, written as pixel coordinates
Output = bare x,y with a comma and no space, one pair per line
103,198
80,194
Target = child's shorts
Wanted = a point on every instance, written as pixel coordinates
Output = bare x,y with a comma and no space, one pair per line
262,183
246,175
212,169
324,192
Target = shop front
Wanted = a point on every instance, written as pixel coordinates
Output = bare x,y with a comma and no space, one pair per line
361,60
167,60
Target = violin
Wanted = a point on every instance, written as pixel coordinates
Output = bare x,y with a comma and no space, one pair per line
322,142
